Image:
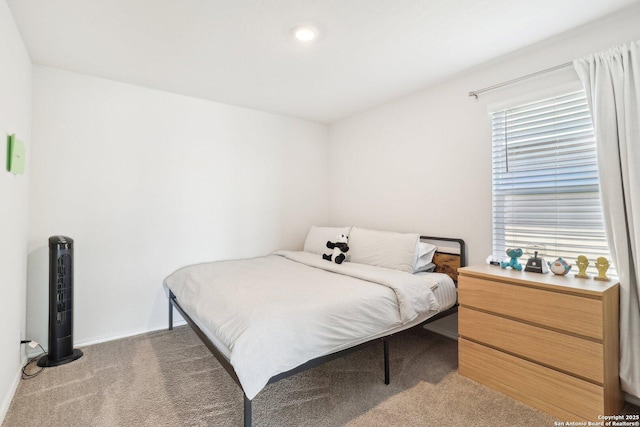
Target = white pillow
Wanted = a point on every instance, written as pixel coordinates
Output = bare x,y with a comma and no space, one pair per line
318,237
383,248
424,253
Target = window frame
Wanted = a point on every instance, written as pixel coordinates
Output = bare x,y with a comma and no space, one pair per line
553,250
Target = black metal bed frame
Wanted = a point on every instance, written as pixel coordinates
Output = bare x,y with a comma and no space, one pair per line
319,360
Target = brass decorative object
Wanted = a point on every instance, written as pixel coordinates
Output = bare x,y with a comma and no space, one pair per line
602,265
582,263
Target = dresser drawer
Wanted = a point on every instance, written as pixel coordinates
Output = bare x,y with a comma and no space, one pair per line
533,384
578,356
562,311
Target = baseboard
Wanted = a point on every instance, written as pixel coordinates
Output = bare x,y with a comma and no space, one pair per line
446,326
12,391
632,399
127,334
176,322
442,331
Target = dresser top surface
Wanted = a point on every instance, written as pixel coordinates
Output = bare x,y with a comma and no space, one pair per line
548,280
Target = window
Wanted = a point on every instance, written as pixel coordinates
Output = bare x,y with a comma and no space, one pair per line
545,180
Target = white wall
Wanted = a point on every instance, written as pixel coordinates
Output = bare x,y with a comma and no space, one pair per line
146,182
15,117
423,163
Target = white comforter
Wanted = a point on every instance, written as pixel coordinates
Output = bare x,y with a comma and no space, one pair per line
277,312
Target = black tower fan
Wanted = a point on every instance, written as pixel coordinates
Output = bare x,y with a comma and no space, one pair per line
60,303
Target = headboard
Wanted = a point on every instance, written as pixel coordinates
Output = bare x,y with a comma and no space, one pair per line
450,255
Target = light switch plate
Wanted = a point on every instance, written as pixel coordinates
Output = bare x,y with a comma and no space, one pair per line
15,155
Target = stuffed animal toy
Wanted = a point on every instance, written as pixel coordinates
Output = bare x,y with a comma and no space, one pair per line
559,267
513,262
340,249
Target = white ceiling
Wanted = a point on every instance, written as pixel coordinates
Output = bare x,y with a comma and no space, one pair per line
240,52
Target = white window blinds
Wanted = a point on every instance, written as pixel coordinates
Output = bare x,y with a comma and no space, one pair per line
545,180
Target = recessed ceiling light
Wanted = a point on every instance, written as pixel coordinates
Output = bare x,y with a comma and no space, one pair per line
304,33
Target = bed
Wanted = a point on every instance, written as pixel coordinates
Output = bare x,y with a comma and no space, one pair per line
269,317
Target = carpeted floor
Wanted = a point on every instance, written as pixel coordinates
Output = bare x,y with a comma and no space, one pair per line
169,378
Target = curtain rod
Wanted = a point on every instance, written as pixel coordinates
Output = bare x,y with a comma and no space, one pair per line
528,76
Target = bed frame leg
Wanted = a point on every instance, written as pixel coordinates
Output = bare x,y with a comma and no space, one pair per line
170,313
385,344
247,412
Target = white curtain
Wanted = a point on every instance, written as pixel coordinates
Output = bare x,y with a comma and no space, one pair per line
612,81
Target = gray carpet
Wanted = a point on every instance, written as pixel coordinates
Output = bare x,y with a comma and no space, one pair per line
169,378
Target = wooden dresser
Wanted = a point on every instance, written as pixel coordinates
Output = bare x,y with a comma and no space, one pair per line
549,341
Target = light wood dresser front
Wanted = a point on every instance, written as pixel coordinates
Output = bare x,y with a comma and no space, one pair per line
549,341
